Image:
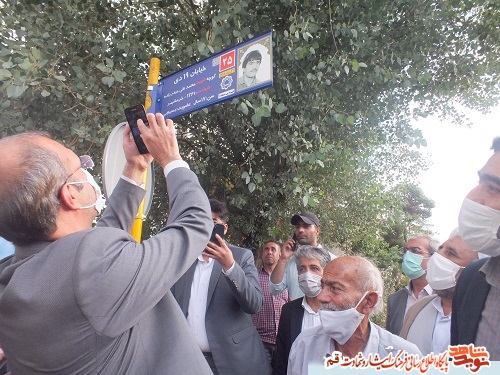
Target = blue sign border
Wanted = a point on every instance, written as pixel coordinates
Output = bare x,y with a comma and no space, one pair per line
214,79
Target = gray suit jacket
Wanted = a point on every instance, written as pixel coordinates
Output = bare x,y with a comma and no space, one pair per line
234,342
97,302
396,308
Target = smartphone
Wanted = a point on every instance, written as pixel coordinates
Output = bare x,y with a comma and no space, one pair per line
296,245
218,229
133,114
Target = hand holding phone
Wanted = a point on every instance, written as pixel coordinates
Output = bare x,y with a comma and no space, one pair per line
218,229
133,114
296,242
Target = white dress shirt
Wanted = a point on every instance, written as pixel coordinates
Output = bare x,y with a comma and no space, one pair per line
198,301
426,291
310,318
442,327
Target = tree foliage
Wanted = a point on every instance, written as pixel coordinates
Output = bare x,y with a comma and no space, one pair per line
332,135
408,215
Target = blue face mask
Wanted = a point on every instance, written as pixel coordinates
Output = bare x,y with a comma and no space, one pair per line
412,265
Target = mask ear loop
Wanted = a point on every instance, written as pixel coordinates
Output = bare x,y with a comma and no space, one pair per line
362,298
498,233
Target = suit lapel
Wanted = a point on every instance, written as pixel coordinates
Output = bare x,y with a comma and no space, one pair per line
214,279
296,320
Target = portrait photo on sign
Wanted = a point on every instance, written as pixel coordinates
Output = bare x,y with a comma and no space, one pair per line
254,64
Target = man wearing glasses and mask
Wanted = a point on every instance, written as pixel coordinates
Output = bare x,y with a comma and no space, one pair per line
417,252
76,299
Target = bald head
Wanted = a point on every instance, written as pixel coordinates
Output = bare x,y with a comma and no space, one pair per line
32,172
354,276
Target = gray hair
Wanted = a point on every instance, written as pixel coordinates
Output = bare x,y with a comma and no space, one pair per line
29,196
370,280
433,242
312,252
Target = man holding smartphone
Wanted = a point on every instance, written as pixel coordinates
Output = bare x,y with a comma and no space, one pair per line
284,275
81,300
217,294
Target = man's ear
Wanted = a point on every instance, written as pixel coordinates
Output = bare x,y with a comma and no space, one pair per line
369,303
225,228
68,198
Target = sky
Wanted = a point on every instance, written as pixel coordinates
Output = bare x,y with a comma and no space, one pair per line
456,152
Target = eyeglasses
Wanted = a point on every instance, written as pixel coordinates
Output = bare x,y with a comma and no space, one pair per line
414,250
86,162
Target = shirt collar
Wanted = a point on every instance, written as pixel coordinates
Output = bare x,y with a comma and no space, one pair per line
306,306
202,260
427,288
436,302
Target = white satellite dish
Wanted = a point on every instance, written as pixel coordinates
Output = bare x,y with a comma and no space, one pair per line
113,162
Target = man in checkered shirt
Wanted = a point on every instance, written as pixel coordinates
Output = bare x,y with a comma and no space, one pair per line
266,320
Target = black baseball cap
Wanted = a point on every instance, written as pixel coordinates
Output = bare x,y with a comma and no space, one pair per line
307,217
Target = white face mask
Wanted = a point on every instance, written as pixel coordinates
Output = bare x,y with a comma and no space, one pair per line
310,284
441,272
479,226
340,325
100,200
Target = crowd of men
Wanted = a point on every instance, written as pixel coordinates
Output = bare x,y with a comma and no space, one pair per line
82,299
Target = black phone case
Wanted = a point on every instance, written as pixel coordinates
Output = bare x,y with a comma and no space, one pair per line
296,245
218,229
133,114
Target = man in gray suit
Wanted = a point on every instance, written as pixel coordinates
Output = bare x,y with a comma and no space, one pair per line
417,252
217,294
81,300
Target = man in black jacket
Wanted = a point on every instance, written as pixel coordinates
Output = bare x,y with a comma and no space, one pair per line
476,304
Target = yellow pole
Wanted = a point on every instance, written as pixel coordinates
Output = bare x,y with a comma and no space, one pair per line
154,73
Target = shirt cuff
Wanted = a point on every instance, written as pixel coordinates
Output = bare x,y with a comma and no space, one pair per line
174,164
142,184
228,272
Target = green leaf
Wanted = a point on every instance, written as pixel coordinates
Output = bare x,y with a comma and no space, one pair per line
256,119
35,53
280,108
355,65
243,108
108,81
15,91
45,93
4,73
201,47
251,187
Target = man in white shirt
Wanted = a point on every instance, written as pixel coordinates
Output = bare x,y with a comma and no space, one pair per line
352,291
217,295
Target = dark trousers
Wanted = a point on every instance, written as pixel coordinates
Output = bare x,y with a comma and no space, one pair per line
270,351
